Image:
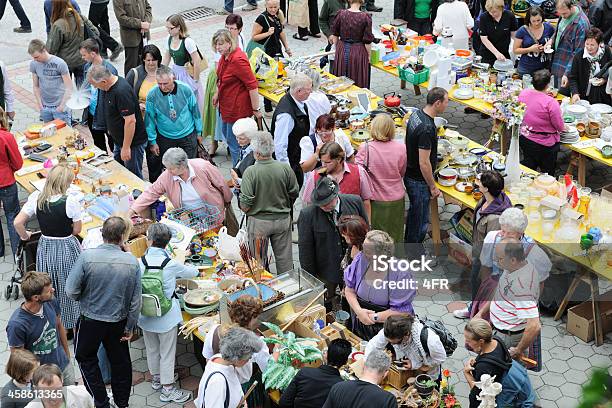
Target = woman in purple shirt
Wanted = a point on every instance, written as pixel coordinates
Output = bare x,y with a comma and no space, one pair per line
374,295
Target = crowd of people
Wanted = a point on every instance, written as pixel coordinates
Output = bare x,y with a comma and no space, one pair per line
354,205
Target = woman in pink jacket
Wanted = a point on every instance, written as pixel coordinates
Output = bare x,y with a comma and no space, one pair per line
384,159
188,183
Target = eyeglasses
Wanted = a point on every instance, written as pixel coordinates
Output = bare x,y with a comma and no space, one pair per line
170,28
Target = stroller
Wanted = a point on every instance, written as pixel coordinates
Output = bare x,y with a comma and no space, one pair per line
26,261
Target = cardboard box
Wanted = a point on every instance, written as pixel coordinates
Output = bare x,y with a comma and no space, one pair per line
138,246
580,321
459,250
304,332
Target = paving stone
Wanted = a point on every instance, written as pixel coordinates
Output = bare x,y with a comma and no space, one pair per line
567,402
548,392
144,389
579,363
557,366
544,403
154,401
600,361
575,377
553,379
564,341
562,353
571,390
582,350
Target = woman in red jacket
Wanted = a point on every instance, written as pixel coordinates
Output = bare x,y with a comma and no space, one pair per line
10,162
237,95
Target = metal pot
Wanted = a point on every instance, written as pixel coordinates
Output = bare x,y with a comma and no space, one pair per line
334,107
392,100
343,113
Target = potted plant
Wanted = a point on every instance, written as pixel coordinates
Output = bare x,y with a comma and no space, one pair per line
447,391
293,353
424,385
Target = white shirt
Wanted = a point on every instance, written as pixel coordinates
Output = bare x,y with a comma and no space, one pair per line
536,256
308,149
284,126
437,354
245,372
190,198
457,16
216,389
73,206
318,104
9,96
515,299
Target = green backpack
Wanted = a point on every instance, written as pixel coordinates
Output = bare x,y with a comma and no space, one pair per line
154,301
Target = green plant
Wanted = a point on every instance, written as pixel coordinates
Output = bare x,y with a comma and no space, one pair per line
293,351
428,383
598,391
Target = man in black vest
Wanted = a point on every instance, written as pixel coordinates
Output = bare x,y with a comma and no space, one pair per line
320,243
290,123
7,97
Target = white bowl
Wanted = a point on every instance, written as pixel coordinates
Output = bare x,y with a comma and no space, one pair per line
577,110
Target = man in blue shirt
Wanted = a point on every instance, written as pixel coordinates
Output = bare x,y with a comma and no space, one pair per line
172,117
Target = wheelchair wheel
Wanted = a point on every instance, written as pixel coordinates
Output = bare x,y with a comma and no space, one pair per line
8,291
15,291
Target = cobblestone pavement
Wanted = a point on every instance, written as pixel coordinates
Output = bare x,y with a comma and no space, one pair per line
567,360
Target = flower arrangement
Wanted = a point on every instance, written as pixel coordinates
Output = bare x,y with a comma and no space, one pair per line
447,391
508,109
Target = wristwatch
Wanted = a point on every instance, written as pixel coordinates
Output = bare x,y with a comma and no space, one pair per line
257,110
375,317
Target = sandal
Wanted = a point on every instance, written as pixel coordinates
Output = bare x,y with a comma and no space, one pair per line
297,37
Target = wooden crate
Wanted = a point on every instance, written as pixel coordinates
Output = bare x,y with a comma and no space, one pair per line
338,331
398,379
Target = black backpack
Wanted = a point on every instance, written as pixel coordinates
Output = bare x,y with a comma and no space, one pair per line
447,339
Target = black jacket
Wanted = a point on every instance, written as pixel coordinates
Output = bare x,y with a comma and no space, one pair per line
496,363
359,394
600,16
580,74
320,243
310,387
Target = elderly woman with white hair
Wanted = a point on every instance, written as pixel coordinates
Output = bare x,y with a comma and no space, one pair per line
220,385
513,223
188,183
243,129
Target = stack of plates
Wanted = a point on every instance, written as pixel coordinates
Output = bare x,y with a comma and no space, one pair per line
464,94
570,136
601,108
577,111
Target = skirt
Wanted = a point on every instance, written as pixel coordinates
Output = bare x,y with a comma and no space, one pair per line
209,116
386,216
56,256
485,294
180,74
352,60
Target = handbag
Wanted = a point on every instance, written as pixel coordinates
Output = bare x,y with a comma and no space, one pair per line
298,13
202,153
254,44
189,65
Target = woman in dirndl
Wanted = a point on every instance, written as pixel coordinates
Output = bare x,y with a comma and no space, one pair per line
370,303
59,217
352,35
211,126
183,50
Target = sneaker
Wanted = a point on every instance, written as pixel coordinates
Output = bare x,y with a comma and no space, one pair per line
223,12
22,30
174,395
249,7
116,52
462,313
156,384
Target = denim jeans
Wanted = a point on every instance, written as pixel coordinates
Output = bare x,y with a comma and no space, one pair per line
104,365
10,203
48,113
230,139
474,279
418,212
229,4
135,163
24,22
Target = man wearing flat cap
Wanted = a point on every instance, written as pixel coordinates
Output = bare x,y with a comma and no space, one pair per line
320,243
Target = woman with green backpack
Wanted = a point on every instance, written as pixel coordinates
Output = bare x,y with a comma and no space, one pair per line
161,313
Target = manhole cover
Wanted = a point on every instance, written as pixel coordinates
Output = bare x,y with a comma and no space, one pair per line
197,13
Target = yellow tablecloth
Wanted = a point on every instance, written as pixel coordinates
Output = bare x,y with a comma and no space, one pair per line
119,174
591,153
596,263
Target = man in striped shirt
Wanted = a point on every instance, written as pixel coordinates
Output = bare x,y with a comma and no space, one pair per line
514,309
